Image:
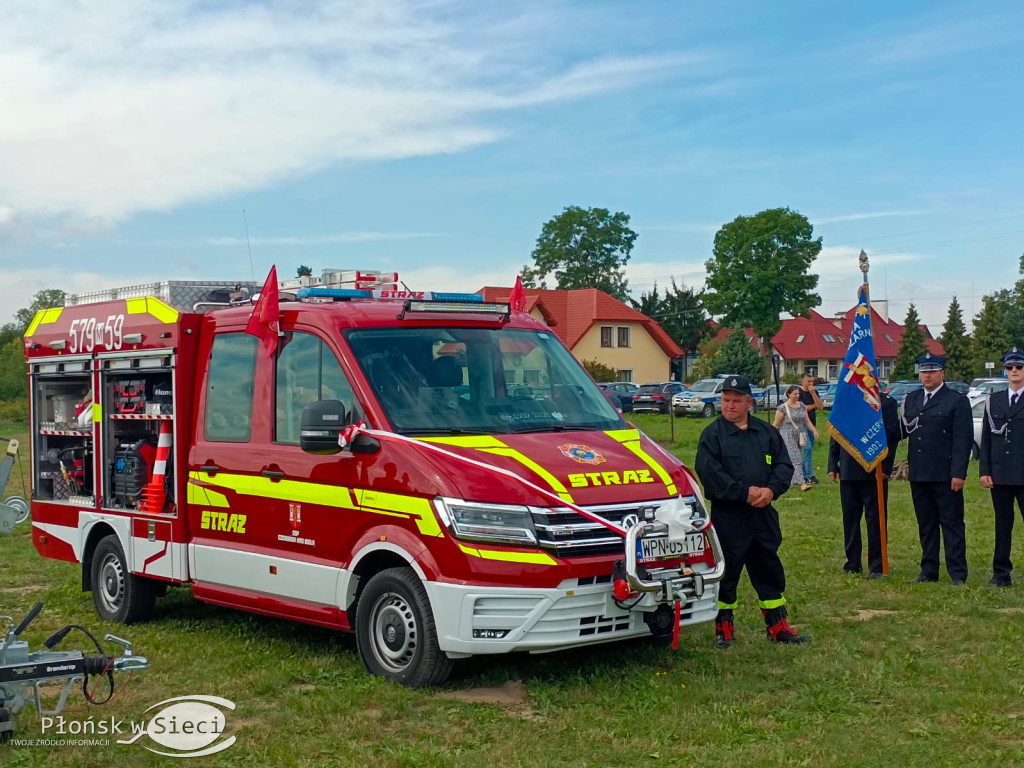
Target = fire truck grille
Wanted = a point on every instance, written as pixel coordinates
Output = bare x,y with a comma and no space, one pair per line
568,534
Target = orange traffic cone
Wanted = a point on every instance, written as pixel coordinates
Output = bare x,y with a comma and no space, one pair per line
153,497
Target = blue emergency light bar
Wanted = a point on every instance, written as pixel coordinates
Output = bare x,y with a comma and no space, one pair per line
344,294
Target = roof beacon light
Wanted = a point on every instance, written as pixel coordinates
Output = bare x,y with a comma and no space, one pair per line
344,294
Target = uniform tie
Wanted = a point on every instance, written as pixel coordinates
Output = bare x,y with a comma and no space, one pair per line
1013,400
927,395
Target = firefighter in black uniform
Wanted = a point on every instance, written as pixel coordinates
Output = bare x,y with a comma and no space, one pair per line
744,466
858,494
938,426
1002,460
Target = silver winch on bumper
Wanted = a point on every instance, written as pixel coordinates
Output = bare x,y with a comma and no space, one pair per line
668,584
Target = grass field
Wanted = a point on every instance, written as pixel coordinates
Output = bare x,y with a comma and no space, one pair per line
897,674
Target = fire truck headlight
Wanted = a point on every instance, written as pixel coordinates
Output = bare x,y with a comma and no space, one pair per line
489,523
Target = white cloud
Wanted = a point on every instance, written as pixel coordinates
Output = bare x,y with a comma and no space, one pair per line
861,216
129,105
340,237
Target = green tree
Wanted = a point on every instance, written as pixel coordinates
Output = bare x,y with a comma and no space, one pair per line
709,350
760,269
304,271
600,371
956,344
738,355
583,248
992,331
51,297
680,313
912,346
13,380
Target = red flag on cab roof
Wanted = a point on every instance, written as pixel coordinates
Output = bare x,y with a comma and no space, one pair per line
264,322
517,299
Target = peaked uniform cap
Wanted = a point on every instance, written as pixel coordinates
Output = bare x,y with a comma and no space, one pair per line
739,384
1015,355
930,362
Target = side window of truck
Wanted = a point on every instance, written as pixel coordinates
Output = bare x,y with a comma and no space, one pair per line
306,371
229,388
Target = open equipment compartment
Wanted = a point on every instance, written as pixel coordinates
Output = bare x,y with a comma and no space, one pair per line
63,461
137,405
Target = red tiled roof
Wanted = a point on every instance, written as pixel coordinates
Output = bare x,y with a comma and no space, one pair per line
811,332
570,314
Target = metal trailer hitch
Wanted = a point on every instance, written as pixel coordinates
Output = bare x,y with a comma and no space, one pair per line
23,672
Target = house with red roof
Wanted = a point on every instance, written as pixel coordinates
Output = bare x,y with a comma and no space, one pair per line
595,326
817,344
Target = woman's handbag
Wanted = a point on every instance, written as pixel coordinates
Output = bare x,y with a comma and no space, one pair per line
801,435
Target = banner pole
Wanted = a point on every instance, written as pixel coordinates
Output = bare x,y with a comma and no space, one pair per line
884,537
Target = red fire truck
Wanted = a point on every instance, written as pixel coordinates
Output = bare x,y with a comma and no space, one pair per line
490,500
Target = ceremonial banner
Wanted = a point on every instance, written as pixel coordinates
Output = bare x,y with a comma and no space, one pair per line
856,418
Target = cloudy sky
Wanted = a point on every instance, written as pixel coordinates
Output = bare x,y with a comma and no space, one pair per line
435,137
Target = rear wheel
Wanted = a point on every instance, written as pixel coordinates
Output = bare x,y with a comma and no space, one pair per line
119,595
975,451
395,631
708,412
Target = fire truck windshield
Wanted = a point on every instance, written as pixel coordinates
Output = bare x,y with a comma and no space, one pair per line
478,380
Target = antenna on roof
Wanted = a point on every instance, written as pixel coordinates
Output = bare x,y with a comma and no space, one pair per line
252,271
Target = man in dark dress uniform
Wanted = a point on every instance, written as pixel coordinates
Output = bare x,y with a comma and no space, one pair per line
1002,460
858,493
938,426
743,464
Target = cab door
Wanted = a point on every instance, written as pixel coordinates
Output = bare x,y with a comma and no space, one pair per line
310,499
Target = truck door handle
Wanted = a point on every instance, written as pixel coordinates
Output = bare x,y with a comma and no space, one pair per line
211,468
274,473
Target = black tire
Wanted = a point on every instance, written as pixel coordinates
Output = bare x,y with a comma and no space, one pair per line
395,631
709,411
975,451
119,595
5,717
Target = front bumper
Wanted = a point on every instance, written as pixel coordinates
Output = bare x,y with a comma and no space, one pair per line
541,620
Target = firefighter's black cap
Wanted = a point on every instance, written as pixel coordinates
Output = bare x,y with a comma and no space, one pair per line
739,384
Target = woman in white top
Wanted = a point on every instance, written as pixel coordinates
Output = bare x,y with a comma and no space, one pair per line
791,419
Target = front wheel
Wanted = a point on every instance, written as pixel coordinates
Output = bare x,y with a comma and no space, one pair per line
119,595
395,631
708,412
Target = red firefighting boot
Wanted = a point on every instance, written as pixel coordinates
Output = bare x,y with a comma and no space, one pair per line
778,628
725,630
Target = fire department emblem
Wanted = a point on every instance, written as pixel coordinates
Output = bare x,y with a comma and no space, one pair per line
861,375
581,453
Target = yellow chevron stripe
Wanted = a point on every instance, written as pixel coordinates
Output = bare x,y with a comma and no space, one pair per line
414,508
150,305
43,317
630,438
491,444
537,558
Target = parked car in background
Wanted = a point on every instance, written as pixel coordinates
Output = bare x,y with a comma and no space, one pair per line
656,396
978,412
827,393
901,389
958,386
987,386
704,397
771,396
623,391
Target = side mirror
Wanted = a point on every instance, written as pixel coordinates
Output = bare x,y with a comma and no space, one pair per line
320,427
